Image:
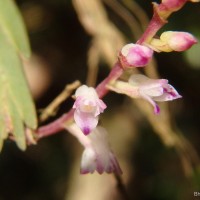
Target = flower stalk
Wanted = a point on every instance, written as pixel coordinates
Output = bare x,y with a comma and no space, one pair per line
97,155
161,13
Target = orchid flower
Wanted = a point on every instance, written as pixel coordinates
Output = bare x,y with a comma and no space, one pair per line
97,155
87,108
135,55
153,90
178,41
175,5
173,41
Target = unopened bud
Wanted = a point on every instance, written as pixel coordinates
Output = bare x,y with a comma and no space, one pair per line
135,55
167,7
178,41
173,5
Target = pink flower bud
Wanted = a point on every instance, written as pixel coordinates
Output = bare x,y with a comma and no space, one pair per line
178,41
173,5
135,55
88,106
154,90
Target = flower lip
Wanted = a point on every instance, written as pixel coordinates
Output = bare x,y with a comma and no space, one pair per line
86,130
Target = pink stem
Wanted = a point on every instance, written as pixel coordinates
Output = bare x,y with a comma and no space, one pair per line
54,126
115,73
154,25
161,12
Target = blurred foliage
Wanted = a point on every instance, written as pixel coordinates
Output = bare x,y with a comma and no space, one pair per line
17,108
13,27
43,171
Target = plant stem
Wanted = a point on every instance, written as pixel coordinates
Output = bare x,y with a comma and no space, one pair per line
55,126
154,25
115,73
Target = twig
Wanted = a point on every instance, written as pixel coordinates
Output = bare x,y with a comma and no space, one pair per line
135,8
93,60
126,16
52,107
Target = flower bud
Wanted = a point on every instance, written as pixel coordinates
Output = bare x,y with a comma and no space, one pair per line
178,41
173,5
135,55
167,7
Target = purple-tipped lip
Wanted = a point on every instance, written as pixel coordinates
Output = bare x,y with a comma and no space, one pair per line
86,130
157,110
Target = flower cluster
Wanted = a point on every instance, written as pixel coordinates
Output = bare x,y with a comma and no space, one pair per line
97,155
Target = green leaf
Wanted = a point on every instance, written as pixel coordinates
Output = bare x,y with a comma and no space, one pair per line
12,25
3,129
17,125
16,103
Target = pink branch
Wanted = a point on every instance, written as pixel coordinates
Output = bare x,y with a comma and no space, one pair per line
115,73
54,126
161,12
155,24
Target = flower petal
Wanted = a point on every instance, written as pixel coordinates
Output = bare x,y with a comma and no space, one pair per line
137,79
105,160
169,94
101,106
153,92
78,101
152,102
81,91
88,162
86,121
